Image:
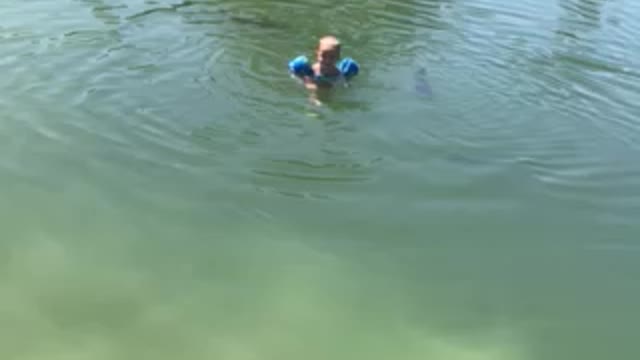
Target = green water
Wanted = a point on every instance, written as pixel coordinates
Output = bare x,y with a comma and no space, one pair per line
168,192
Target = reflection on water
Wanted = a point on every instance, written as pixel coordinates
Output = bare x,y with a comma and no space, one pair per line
169,192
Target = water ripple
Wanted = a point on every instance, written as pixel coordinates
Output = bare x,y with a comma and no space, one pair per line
511,123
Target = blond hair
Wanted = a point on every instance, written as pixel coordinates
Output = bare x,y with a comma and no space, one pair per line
329,42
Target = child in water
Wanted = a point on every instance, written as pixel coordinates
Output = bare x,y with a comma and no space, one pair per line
328,69
324,69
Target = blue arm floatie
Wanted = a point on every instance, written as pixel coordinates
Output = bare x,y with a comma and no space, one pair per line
300,67
348,67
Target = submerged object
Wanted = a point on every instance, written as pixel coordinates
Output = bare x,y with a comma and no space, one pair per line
421,85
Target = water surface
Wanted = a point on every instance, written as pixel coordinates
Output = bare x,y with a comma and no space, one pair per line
169,192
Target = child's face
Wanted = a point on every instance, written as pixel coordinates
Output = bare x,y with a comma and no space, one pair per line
328,54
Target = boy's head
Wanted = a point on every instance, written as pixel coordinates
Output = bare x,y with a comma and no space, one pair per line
328,51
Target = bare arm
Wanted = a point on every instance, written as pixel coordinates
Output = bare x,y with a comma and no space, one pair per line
309,84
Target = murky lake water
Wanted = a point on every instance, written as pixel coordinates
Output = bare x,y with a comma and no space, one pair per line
168,192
